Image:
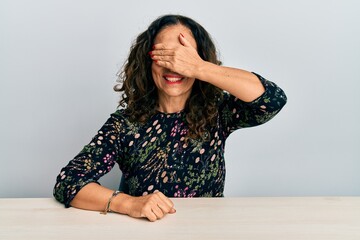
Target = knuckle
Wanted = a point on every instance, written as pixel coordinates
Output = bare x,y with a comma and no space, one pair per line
147,207
153,196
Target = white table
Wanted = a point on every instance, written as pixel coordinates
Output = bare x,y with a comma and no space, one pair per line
245,218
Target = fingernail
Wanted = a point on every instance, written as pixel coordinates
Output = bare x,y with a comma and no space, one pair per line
153,47
182,35
150,53
155,61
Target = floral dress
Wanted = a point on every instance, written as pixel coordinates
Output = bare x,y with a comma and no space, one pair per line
154,156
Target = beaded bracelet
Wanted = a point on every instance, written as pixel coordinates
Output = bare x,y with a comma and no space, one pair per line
107,209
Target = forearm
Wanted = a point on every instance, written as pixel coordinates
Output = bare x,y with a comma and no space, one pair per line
95,197
240,83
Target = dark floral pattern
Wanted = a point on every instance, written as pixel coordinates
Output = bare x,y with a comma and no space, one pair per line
155,156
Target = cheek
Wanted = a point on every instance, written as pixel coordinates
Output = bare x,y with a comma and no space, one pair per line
155,70
191,81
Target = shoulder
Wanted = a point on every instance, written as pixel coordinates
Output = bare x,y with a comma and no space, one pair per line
123,119
119,117
119,113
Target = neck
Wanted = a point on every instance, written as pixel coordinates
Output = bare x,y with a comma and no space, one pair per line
171,104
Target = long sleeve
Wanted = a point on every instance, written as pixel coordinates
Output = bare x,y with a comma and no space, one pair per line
235,114
96,159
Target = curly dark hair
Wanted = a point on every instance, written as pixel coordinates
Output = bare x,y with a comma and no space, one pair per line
139,93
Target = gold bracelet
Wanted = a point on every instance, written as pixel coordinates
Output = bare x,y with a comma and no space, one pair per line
107,209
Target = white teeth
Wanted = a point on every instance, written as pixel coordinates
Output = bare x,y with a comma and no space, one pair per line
173,79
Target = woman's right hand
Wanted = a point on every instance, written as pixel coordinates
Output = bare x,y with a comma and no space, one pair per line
153,206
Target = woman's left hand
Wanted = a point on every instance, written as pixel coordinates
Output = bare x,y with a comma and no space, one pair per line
182,59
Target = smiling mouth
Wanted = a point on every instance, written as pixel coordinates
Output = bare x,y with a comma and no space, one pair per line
173,78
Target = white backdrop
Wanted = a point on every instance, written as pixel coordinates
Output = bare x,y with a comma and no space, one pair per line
58,64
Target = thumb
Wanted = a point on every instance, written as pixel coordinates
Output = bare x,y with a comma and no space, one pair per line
184,41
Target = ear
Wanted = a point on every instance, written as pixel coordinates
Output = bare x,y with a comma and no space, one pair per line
184,41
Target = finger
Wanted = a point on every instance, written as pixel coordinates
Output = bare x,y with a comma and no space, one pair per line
184,41
159,46
151,216
164,206
164,64
157,211
166,200
148,213
168,203
162,58
166,52
166,209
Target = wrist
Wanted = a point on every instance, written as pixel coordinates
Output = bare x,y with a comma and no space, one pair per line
121,203
203,69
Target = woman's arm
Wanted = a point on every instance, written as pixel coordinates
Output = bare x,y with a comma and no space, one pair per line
185,60
239,83
253,100
95,197
77,185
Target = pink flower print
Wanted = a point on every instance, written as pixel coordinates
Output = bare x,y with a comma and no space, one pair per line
107,158
173,131
62,173
183,132
178,128
183,192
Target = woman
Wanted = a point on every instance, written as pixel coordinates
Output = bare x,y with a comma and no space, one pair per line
179,106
